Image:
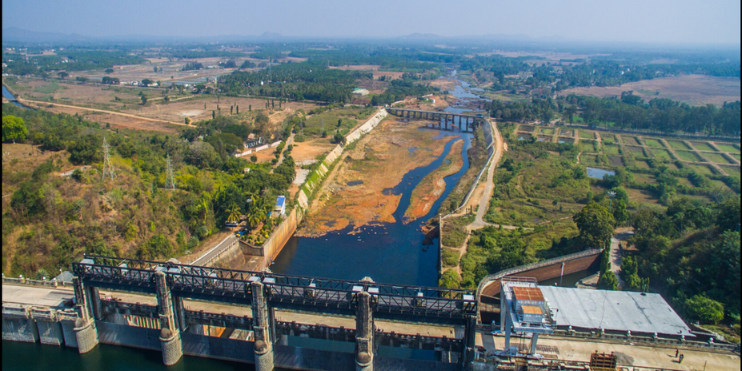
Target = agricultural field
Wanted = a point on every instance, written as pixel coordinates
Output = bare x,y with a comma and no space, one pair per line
653,143
547,131
678,145
728,147
701,169
610,150
609,138
662,154
689,156
584,134
702,146
715,157
636,151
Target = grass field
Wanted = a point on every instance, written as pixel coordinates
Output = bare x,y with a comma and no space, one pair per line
728,148
547,131
587,146
589,160
527,128
641,164
736,155
702,146
653,143
615,161
662,154
715,157
636,151
610,150
678,145
48,88
689,156
644,178
701,169
632,141
587,134
609,138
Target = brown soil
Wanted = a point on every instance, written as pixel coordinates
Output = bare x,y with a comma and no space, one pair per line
379,160
389,74
430,188
309,150
692,89
444,84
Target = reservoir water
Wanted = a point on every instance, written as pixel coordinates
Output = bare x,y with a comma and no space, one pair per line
10,97
596,173
386,252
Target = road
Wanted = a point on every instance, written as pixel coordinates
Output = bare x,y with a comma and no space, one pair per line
657,356
490,184
42,104
216,250
48,296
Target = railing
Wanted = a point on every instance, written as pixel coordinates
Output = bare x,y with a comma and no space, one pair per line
279,288
30,282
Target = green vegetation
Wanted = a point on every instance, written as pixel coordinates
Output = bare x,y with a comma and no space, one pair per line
14,129
715,157
728,147
653,143
678,145
702,146
689,156
675,247
299,81
52,220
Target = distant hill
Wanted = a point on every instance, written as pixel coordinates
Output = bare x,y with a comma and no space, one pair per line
20,35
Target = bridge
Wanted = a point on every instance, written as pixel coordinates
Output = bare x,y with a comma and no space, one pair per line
181,331
446,120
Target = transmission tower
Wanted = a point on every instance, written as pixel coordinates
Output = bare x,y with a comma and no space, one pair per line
107,166
170,180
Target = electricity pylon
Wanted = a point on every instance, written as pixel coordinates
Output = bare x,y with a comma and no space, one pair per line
170,180
108,169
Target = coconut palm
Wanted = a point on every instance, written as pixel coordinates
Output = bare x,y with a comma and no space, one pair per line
234,214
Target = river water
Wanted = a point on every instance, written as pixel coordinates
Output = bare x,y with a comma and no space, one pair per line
386,252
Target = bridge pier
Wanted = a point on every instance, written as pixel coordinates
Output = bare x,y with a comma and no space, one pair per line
180,312
470,332
85,330
261,328
364,333
172,348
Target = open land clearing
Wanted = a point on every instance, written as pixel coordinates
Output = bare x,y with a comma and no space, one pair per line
692,89
379,160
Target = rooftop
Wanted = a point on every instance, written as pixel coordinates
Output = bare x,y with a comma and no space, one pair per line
532,309
527,293
614,310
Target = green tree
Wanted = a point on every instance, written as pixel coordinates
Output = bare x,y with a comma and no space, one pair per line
450,279
14,129
62,75
234,213
595,225
704,309
144,99
608,281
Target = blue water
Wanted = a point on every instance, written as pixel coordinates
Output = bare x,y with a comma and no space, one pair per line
354,182
386,252
598,173
10,97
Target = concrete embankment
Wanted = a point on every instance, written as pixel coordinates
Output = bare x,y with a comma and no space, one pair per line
260,257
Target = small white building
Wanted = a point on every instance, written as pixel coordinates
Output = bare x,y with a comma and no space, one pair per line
359,91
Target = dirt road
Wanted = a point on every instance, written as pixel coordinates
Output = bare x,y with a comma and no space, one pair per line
41,104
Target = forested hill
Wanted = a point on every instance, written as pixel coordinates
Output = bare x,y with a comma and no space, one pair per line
49,221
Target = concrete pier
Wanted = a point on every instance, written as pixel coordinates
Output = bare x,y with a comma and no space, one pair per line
172,348
261,328
86,333
364,333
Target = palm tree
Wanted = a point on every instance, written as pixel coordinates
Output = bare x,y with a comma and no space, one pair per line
234,214
255,217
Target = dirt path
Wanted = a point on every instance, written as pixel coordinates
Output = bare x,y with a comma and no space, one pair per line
41,104
578,157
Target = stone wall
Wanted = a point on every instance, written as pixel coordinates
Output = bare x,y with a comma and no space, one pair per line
130,336
274,244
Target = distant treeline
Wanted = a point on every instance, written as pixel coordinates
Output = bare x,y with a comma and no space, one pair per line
76,61
296,81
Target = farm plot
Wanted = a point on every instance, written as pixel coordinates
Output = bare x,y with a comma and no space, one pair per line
634,141
662,154
689,156
678,145
609,138
547,131
653,143
587,134
728,147
590,160
736,155
702,146
615,161
610,150
566,140
701,169
636,151
716,157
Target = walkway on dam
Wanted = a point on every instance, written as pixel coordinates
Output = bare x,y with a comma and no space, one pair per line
652,357
56,297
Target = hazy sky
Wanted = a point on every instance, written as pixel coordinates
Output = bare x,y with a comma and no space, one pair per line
674,21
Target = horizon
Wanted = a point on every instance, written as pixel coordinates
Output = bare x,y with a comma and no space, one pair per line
661,22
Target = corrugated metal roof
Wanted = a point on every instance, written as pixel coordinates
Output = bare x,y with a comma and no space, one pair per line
532,309
614,310
527,293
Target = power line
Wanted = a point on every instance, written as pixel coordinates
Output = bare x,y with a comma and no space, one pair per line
108,169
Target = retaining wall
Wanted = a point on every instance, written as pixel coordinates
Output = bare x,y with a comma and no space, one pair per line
130,336
274,244
547,269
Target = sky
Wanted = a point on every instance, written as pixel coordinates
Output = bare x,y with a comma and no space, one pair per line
642,21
